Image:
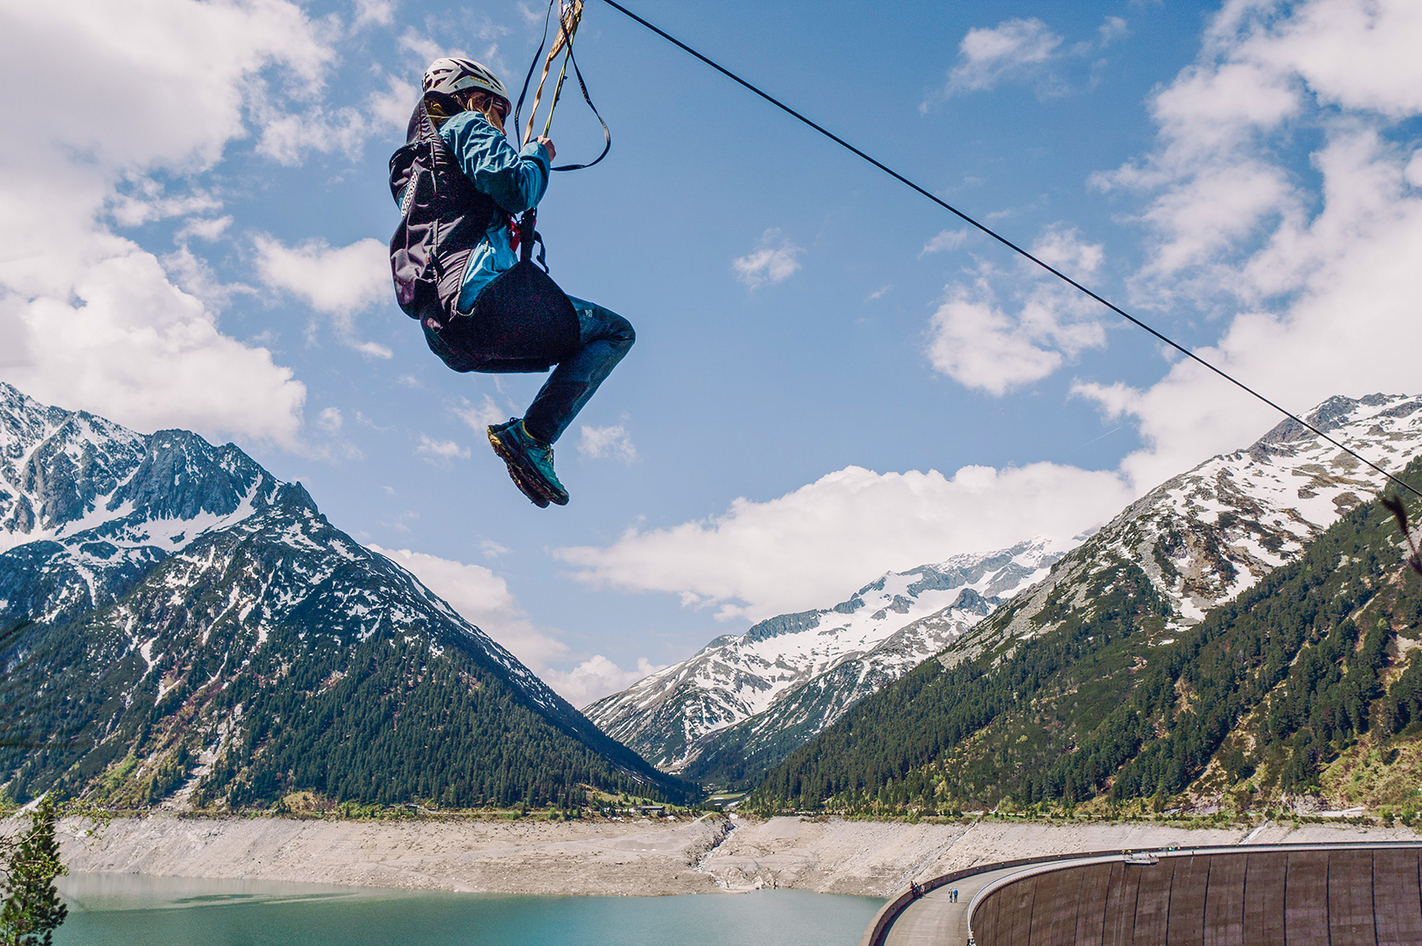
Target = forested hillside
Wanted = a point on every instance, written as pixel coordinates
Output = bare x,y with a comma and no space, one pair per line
1305,685
178,627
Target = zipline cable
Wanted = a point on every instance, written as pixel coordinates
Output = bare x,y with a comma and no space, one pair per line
1012,246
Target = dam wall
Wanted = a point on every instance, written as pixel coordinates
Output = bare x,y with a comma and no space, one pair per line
1358,897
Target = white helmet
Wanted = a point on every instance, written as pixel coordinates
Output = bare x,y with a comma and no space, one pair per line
457,75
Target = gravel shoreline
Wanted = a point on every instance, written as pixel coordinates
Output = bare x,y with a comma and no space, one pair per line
635,858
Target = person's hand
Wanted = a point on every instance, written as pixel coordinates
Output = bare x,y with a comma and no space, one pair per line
547,143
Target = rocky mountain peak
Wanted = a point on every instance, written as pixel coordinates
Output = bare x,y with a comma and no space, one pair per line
1336,412
72,477
783,624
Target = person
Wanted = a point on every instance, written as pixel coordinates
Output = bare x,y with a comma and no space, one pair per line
458,182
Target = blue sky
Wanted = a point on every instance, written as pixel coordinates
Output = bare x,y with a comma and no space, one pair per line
832,378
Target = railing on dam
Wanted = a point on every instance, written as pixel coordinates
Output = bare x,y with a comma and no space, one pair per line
1305,896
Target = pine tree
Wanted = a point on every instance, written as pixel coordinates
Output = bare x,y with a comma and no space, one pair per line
29,865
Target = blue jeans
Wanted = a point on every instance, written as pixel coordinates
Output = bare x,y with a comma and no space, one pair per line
604,337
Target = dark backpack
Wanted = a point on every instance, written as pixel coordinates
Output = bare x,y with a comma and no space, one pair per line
442,218
521,321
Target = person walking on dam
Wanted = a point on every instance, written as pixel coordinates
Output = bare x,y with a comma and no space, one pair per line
455,258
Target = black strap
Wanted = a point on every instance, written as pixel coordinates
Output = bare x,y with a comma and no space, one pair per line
528,79
518,109
527,236
606,134
527,223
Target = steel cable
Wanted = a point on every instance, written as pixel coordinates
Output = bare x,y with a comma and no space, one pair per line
1012,246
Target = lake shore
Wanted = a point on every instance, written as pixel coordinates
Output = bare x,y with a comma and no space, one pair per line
633,858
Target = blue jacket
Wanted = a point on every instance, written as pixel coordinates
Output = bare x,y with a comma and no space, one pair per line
515,180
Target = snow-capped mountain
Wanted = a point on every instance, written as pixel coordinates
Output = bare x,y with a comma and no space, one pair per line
792,675
174,619
1205,536
88,507
1109,675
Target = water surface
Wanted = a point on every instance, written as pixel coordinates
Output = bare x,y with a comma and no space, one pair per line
124,909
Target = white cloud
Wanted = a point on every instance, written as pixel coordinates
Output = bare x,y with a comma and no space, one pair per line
192,274
773,260
947,240
1009,50
1063,247
1027,51
1112,29
1413,172
813,546
330,419
423,48
377,12
978,345
595,678
440,451
484,599
977,342
337,282
1317,272
134,347
142,200
287,135
391,108
89,319
483,415
204,228
613,442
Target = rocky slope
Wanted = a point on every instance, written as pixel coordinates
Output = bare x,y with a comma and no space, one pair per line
178,626
1109,675
742,703
601,858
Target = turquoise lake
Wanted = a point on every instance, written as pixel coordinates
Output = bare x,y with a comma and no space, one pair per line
126,909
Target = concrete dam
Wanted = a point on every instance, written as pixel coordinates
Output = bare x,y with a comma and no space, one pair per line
1284,895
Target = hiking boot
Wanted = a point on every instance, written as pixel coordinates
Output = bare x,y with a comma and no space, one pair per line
530,462
499,438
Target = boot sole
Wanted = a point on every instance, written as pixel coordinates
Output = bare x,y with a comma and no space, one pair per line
528,483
